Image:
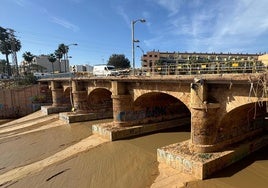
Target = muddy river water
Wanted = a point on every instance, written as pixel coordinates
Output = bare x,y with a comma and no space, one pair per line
126,163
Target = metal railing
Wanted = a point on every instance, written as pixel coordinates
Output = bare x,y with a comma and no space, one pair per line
205,68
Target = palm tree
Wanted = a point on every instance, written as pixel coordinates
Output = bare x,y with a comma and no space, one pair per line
52,58
58,55
8,43
28,57
2,66
17,47
64,50
5,46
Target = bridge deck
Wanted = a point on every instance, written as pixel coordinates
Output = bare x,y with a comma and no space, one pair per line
210,78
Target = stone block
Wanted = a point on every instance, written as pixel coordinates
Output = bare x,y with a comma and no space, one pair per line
203,165
111,132
54,109
72,117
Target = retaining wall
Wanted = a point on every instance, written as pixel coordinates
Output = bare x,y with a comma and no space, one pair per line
18,102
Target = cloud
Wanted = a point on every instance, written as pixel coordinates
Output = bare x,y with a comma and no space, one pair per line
20,3
172,6
121,11
210,25
240,26
64,23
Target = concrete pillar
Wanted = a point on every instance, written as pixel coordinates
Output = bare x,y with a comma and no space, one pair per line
79,97
57,94
203,119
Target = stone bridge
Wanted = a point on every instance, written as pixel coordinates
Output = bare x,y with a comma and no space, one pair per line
228,114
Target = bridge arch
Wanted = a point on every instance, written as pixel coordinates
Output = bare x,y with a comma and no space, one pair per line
157,107
182,93
242,122
99,100
66,96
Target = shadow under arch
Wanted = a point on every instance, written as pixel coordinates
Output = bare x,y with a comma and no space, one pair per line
66,97
99,100
243,122
157,107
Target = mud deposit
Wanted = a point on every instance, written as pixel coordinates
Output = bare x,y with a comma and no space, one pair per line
42,151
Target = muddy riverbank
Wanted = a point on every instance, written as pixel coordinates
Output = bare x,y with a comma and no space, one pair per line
54,154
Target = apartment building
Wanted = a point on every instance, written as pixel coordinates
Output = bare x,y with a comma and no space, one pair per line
152,59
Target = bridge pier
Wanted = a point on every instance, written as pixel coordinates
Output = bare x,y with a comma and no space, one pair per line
57,100
205,153
122,104
79,105
79,96
204,119
57,94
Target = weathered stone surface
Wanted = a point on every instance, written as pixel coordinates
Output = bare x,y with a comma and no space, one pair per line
225,109
112,132
203,165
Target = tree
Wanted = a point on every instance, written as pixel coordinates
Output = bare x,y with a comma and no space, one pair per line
17,47
28,57
2,66
8,43
58,55
5,46
64,51
119,61
52,58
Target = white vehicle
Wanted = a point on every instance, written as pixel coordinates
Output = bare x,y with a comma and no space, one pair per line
104,70
39,75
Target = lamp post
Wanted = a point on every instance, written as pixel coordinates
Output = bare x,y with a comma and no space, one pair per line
67,49
140,49
142,57
133,41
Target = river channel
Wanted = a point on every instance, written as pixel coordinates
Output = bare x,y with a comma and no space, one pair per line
128,163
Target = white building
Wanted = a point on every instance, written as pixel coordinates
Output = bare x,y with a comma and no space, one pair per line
43,63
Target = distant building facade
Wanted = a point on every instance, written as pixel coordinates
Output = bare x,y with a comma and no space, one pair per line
152,59
264,59
43,61
42,64
81,68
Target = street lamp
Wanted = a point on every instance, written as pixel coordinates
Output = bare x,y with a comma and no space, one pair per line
67,48
141,58
140,49
133,41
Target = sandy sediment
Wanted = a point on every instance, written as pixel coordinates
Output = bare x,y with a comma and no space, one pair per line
21,172
55,154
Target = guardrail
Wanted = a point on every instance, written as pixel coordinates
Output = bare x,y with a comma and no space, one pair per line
205,68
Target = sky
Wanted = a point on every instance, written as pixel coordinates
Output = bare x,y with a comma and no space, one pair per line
103,27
